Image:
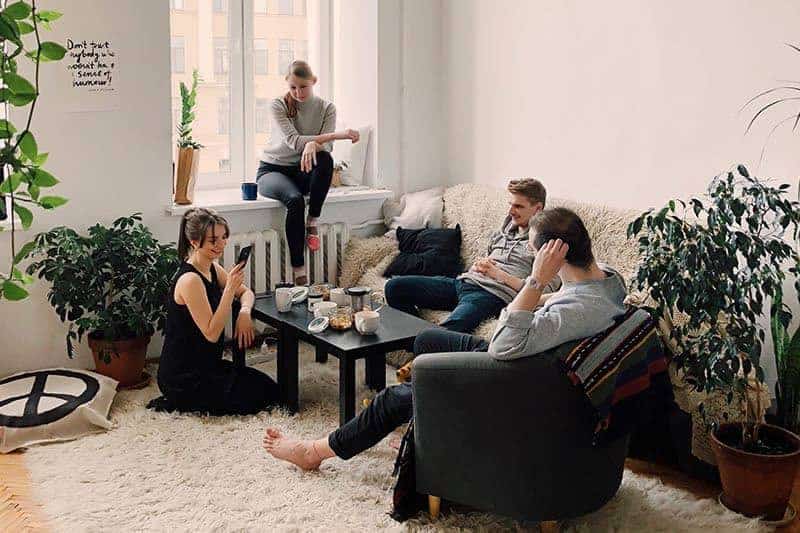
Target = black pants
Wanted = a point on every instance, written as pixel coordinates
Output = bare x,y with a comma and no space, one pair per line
393,406
224,390
288,185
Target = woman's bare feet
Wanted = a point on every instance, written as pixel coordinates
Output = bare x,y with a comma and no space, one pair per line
297,452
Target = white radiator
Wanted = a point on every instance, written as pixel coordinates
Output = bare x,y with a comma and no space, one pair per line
269,261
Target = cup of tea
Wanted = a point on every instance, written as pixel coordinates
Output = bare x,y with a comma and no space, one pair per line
324,309
249,190
338,296
286,296
367,321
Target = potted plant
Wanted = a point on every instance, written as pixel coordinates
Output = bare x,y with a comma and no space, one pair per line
112,284
787,359
23,179
716,263
188,148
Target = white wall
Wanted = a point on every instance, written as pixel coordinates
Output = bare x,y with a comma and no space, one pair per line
110,163
411,115
624,102
355,59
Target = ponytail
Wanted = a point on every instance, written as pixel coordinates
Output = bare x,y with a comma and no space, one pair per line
194,225
302,70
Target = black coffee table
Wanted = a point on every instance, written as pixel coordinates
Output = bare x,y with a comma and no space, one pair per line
397,331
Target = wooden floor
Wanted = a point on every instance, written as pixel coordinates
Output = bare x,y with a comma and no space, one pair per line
18,511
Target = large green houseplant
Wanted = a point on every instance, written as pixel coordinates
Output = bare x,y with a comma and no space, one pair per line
717,262
111,284
22,173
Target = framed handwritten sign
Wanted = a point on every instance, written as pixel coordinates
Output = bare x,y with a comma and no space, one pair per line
92,68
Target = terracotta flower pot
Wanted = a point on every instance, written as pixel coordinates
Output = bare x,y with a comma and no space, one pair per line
122,360
186,175
756,484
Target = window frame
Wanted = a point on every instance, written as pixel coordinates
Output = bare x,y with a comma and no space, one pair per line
241,78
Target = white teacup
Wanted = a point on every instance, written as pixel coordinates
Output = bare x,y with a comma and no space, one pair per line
367,321
339,297
286,296
324,309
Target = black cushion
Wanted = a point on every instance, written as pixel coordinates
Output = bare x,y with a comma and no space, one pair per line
427,252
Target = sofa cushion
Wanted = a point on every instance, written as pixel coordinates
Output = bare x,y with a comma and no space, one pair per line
427,252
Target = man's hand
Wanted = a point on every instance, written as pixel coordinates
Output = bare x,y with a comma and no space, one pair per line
549,260
244,330
488,267
309,157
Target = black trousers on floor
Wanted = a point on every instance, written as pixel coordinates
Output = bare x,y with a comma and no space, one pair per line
394,406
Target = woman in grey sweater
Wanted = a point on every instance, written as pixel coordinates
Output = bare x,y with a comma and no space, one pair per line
298,160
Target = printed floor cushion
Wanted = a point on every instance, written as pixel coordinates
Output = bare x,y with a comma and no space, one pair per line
53,405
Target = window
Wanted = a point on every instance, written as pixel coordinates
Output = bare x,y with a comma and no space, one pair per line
176,5
285,7
223,115
285,55
222,59
178,54
237,81
262,115
260,57
303,11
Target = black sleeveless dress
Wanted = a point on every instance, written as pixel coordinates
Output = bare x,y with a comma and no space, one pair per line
193,376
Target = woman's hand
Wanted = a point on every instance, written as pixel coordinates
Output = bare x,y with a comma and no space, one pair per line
487,267
549,260
352,135
244,330
309,157
235,279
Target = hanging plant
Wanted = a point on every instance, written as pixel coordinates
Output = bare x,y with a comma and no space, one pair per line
22,174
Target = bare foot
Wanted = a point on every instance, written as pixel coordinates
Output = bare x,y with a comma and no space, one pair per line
297,452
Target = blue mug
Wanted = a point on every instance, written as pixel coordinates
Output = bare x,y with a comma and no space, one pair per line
249,191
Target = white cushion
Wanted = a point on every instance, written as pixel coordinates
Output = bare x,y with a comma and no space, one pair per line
415,210
356,156
53,405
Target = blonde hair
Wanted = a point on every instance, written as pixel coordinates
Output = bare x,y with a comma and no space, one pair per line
302,70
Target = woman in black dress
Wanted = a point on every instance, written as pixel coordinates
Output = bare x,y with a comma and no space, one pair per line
192,375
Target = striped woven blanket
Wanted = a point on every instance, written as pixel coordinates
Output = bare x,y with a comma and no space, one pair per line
618,368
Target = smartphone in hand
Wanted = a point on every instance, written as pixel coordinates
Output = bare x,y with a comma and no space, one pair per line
244,254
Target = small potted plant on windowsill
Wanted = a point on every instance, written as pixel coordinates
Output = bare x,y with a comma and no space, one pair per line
111,284
716,264
188,148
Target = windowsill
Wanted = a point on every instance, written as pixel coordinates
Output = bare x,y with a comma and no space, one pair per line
228,200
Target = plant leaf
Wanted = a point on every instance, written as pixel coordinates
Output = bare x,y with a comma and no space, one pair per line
25,215
27,143
18,11
13,292
24,252
11,183
52,51
42,178
51,202
18,84
48,16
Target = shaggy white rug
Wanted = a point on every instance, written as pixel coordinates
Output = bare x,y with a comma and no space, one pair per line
162,472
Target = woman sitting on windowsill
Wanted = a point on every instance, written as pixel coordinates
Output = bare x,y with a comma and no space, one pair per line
298,161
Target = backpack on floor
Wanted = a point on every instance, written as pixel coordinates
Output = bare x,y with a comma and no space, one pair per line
406,501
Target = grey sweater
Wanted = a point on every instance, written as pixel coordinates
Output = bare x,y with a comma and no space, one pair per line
509,248
289,136
579,310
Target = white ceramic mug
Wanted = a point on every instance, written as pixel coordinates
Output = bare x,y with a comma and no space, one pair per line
286,296
324,309
367,321
339,297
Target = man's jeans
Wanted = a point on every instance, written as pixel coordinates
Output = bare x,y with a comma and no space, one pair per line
394,406
469,303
